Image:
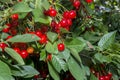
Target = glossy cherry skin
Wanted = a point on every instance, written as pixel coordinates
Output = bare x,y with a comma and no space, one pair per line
61,47
102,78
43,39
3,45
72,14
64,22
38,33
65,14
52,12
8,37
76,3
24,54
17,50
89,1
15,17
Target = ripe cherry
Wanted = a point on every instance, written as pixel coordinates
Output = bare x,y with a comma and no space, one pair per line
2,46
38,33
44,29
15,17
17,50
107,77
24,54
52,12
89,1
61,47
76,3
69,22
43,39
8,37
72,14
64,22
65,14
6,30
101,78
13,31
30,50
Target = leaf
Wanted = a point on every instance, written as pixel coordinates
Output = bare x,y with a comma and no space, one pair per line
75,69
4,35
5,73
53,72
58,63
21,7
24,71
75,54
101,58
15,55
107,40
5,1
77,44
43,55
45,4
49,48
93,77
24,38
65,54
52,36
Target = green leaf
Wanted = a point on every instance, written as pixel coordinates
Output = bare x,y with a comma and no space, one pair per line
4,35
49,48
65,54
5,73
5,1
58,63
107,40
101,58
75,69
43,55
52,36
45,4
93,77
75,54
21,7
53,72
76,43
24,38
24,71
15,55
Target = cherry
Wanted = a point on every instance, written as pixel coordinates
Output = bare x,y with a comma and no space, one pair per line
49,57
65,14
38,33
110,74
44,29
69,22
43,39
8,37
101,78
53,23
52,12
61,47
64,22
15,17
107,77
89,1
46,12
19,0
6,30
13,31
17,50
76,4
72,14
24,54
3,45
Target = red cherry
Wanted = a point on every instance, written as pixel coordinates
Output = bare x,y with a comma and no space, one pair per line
110,75
38,33
6,30
24,54
49,57
3,45
65,14
89,1
52,12
107,77
102,78
64,22
43,39
72,14
13,31
9,25
14,23
53,23
8,37
76,3
69,21
19,0
44,29
17,50
46,12
15,17
61,47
